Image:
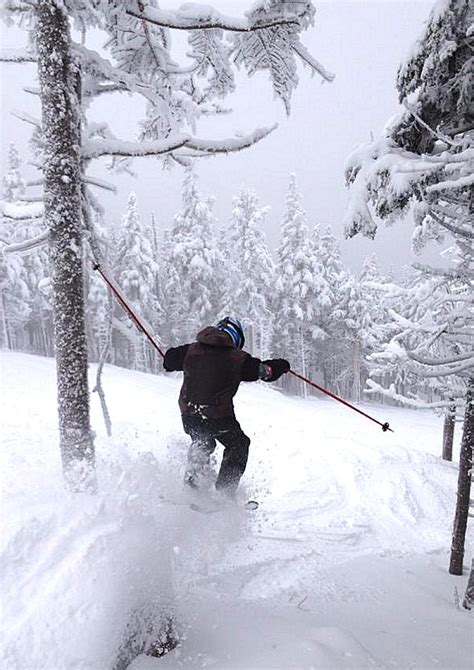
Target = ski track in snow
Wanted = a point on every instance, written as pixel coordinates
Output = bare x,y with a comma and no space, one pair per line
342,566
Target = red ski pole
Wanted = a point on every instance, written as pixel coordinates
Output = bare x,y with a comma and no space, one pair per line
385,426
127,308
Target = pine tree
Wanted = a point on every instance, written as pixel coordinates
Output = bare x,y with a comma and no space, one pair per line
194,263
295,285
13,182
253,270
424,165
331,277
356,333
135,272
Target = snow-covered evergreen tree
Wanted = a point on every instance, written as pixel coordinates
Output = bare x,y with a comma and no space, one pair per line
13,182
423,164
192,273
295,292
135,272
330,276
252,271
226,274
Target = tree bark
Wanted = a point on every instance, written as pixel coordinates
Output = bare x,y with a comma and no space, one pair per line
468,600
59,78
448,433
464,485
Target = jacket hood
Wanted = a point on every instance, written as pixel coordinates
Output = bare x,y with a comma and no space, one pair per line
214,337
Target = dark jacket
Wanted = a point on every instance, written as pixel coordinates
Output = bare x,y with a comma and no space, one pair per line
213,370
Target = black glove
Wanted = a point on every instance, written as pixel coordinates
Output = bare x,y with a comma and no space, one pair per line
278,367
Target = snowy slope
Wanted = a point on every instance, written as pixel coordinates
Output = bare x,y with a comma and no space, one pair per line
343,565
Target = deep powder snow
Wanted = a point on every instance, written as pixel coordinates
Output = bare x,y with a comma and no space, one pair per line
344,565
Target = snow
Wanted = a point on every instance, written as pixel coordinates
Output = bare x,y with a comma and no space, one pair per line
344,565
21,210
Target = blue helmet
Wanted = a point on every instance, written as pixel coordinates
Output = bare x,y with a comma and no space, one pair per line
232,327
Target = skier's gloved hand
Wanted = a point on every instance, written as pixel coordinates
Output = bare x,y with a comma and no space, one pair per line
274,369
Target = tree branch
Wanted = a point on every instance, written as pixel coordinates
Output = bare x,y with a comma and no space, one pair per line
27,245
27,118
436,134
444,361
16,56
93,181
205,18
315,65
461,182
453,229
97,148
441,272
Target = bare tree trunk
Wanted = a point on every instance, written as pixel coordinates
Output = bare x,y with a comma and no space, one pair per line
356,390
464,485
104,348
303,361
59,79
4,343
448,433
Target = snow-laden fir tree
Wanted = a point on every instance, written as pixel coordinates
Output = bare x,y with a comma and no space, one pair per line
13,182
226,275
424,165
135,272
26,312
330,276
253,271
295,287
137,59
381,295
192,285
356,336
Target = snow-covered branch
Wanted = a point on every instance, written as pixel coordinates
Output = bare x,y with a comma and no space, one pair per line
315,65
97,148
203,17
445,370
409,402
27,245
16,56
438,215
123,80
438,135
445,361
443,272
461,182
21,211
27,118
94,181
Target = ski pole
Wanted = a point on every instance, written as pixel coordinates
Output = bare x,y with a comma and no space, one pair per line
385,426
127,308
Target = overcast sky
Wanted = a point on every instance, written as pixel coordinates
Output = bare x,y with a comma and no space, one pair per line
361,42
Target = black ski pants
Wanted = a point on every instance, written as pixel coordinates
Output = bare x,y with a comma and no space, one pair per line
204,433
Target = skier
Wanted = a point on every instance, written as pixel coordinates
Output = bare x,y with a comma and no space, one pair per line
213,368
